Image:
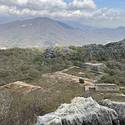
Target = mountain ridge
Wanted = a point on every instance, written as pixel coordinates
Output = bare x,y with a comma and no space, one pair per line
44,32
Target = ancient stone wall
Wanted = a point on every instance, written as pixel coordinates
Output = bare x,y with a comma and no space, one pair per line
106,87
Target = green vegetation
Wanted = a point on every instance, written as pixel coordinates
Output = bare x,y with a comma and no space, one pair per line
33,65
29,64
114,73
17,64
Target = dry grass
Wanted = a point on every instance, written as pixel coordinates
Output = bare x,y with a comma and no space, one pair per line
20,88
57,88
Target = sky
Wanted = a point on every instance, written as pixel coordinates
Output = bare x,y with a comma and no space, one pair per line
100,13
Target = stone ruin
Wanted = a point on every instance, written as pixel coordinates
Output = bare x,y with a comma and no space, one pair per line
94,67
90,85
102,87
105,87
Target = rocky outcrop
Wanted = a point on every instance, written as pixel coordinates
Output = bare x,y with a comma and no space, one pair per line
81,111
119,107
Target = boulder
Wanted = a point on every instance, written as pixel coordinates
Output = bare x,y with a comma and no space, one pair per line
81,111
119,107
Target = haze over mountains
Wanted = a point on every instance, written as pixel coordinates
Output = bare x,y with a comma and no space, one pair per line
44,32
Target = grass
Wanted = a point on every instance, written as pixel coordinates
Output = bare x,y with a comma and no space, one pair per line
29,65
54,92
81,72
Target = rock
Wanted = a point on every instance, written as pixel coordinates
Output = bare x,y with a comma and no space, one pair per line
119,107
81,80
81,111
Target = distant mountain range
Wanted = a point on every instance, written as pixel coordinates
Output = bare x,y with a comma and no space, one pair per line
44,32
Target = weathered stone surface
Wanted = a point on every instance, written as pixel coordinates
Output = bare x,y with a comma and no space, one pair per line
81,111
119,107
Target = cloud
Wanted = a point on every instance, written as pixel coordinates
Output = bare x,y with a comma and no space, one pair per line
106,13
85,9
82,4
54,8
34,3
55,3
46,4
12,2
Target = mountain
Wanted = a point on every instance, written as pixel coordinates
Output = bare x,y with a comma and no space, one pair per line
44,32
107,34
99,35
39,32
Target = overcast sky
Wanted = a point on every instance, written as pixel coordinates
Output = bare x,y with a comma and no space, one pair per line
106,13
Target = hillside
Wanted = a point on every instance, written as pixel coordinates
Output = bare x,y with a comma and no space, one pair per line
46,78
28,64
